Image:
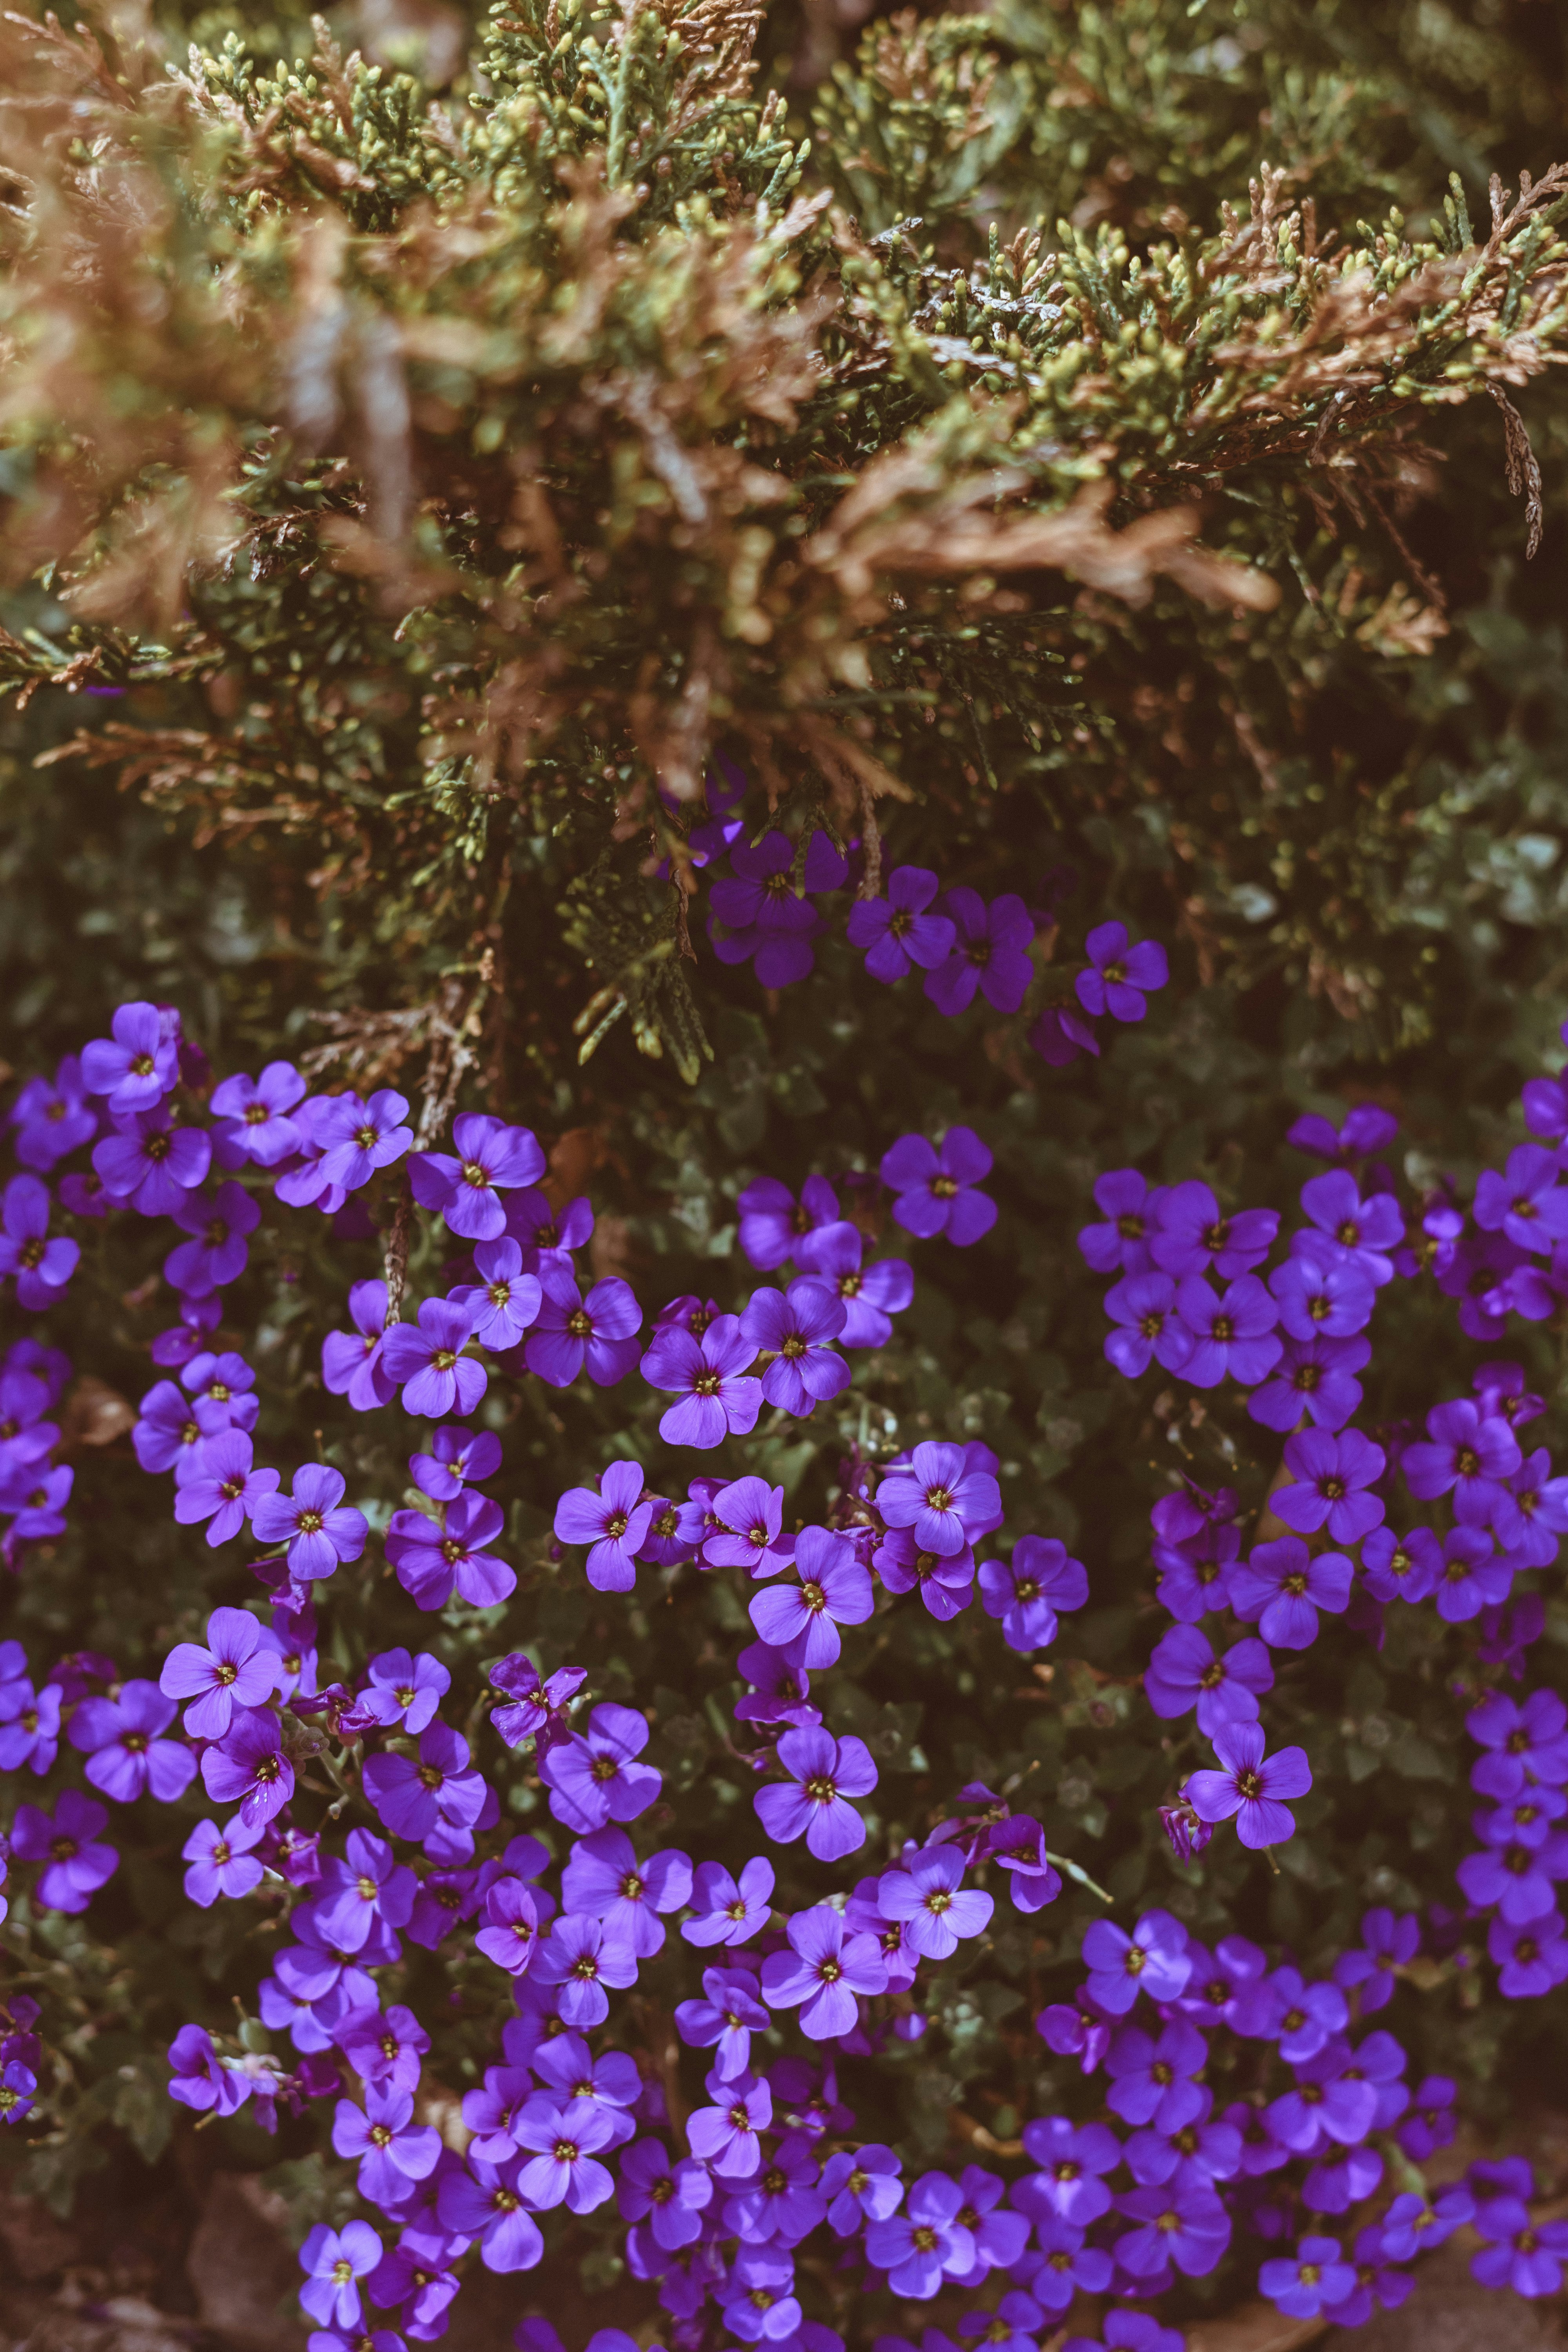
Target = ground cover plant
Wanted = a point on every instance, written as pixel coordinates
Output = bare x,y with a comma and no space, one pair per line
785,1288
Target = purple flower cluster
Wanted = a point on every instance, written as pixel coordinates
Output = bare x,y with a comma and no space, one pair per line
350,1793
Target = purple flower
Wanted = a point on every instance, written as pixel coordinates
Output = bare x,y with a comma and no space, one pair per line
320,1531
802,1619
18,2087
1026,1595
1322,1293
989,952
936,1189
1188,2227
941,1497
254,1116
565,2136
77,1867
1152,1959
485,2202
29,1726
945,1586
431,1562
1123,977
895,932
1414,2224
458,1457
1470,1453
1131,1211
605,1880
119,1737
1316,2279
757,897
797,1328
1367,1231
1526,1202
573,1331
1061,1034
356,1138
1528,1739
537,1708
724,2019
925,2242
217,1253
52,1121
222,1861
363,1896
927,1892
223,1489
391,2148
1401,1568
728,1910
429,1363
441,1791
139,1065
404,1690
1250,1786
615,1523
1193,1237
1144,1306
249,1769
1516,1879
861,2187
1519,2252
772,1223
352,1362
824,1773
151,1163
710,1377
785,2204
1532,1957
1232,1335
1472,1579
509,1935
38,1503
233,1671
1065,2265
548,1235
506,1301
594,1779
724,2137
1186,1671
746,1523
1018,1846
491,1158
1072,2157
671,2198
333,2264
1366,1129
42,1267
200,2080
1282,1588
1333,1472
1154,2082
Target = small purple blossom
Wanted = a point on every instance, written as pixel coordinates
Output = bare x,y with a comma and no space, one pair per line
320,1531
427,1362
824,1774
466,1189
1121,978
935,1188
710,1377
1027,1593
1251,1787
895,932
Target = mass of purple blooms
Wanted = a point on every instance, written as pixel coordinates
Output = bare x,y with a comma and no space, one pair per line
724,2200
